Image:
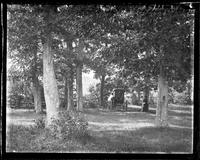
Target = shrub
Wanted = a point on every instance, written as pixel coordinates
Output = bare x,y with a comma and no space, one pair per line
68,125
181,98
90,102
40,123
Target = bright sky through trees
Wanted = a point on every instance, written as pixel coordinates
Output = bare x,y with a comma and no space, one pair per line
88,80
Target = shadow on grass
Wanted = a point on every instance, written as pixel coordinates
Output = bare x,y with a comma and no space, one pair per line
149,139
173,113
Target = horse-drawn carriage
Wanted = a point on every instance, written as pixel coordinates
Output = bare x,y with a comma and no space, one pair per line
117,99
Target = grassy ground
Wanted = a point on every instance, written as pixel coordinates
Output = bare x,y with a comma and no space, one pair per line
130,131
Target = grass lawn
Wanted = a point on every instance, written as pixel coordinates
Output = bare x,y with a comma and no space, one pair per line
115,131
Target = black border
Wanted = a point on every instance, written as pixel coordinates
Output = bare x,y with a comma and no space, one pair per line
196,143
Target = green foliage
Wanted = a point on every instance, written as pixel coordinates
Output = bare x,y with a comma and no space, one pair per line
40,123
90,101
17,98
68,125
32,139
182,98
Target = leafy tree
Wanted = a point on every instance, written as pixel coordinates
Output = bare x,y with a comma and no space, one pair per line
163,51
171,44
157,47
23,47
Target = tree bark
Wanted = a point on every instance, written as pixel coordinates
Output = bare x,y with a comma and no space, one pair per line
192,60
66,93
79,86
161,111
49,79
70,89
36,91
145,105
35,86
101,90
138,96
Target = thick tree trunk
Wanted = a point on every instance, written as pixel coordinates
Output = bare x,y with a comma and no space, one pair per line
36,90
79,87
70,90
145,104
49,79
101,91
161,111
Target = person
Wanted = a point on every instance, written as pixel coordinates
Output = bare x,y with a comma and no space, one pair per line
110,97
110,100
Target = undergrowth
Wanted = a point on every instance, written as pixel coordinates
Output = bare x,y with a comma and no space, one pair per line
67,132
70,133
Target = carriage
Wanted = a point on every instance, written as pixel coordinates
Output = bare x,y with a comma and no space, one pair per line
118,100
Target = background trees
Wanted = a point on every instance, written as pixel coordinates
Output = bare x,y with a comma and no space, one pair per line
135,47
24,50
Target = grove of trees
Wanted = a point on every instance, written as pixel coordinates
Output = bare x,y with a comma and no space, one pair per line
140,48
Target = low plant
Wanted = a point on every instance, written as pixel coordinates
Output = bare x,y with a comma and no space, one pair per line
40,123
68,125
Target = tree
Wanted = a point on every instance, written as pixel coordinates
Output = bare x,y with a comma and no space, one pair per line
101,68
79,67
49,79
70,80
160,47
23,47
166,35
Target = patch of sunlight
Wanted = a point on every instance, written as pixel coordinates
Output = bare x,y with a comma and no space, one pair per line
24,122
124,120
142,120
180,106
125,113
20,110
119,126
134,106
182,127
178,111
177,118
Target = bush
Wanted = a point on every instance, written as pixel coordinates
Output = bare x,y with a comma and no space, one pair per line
69,125
40,123
180,98
90,102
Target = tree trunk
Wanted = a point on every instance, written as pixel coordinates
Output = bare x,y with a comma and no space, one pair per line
35,86
161,111
189,92
9,89
49,79
36,90
138,96
101,91
145,104
79,87
70,89
66,93
192,60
